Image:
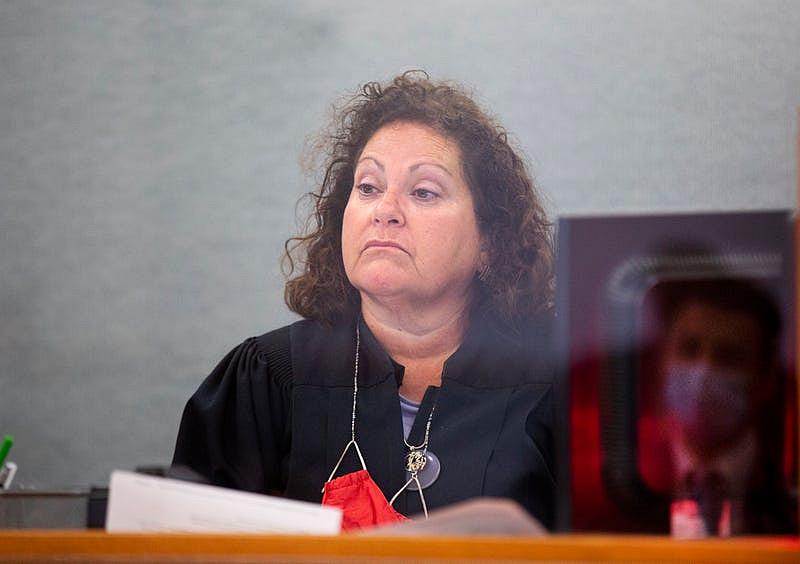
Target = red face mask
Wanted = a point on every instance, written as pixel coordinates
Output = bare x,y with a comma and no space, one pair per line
362,502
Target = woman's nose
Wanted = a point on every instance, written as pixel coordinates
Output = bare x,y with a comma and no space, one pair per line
387,209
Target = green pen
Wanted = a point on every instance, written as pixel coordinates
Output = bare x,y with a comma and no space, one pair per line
8,440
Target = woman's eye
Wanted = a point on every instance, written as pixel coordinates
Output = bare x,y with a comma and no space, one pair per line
366,189
423,194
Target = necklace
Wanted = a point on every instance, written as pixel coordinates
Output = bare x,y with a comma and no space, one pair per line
422,465
418,456
416,459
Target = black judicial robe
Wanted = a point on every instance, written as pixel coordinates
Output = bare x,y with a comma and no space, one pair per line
274,417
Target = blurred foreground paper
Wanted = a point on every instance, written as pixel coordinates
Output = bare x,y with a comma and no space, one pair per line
476,517
139,503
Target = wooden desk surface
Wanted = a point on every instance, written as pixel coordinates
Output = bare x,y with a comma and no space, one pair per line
90,546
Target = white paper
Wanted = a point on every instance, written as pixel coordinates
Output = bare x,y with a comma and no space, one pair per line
140,503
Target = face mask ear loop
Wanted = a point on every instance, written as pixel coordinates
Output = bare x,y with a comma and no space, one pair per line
344,452
421,496
352,418
394,497
414,479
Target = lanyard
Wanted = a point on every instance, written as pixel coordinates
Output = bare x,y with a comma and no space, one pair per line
416,458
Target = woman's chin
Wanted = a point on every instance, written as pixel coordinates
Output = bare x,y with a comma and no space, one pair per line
382,287
381,280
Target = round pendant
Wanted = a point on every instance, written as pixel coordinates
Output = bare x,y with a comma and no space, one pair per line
428,471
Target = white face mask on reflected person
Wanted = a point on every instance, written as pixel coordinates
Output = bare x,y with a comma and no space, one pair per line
710,405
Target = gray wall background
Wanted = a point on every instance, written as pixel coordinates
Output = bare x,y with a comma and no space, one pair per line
149,167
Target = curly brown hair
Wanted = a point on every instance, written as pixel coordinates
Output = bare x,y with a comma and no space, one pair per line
519,281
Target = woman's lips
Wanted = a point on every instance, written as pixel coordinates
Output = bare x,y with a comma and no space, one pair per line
383,244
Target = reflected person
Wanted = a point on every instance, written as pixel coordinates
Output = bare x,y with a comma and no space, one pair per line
722,395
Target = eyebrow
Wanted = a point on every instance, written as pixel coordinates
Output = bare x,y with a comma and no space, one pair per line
377,162
437,165
412,168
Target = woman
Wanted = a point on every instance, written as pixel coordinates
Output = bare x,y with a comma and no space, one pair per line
423,355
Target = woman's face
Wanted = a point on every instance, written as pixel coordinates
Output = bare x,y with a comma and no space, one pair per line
410,231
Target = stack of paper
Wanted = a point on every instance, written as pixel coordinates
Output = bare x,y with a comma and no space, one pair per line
139,503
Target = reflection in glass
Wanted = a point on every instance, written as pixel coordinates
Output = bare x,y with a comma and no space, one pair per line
720,409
